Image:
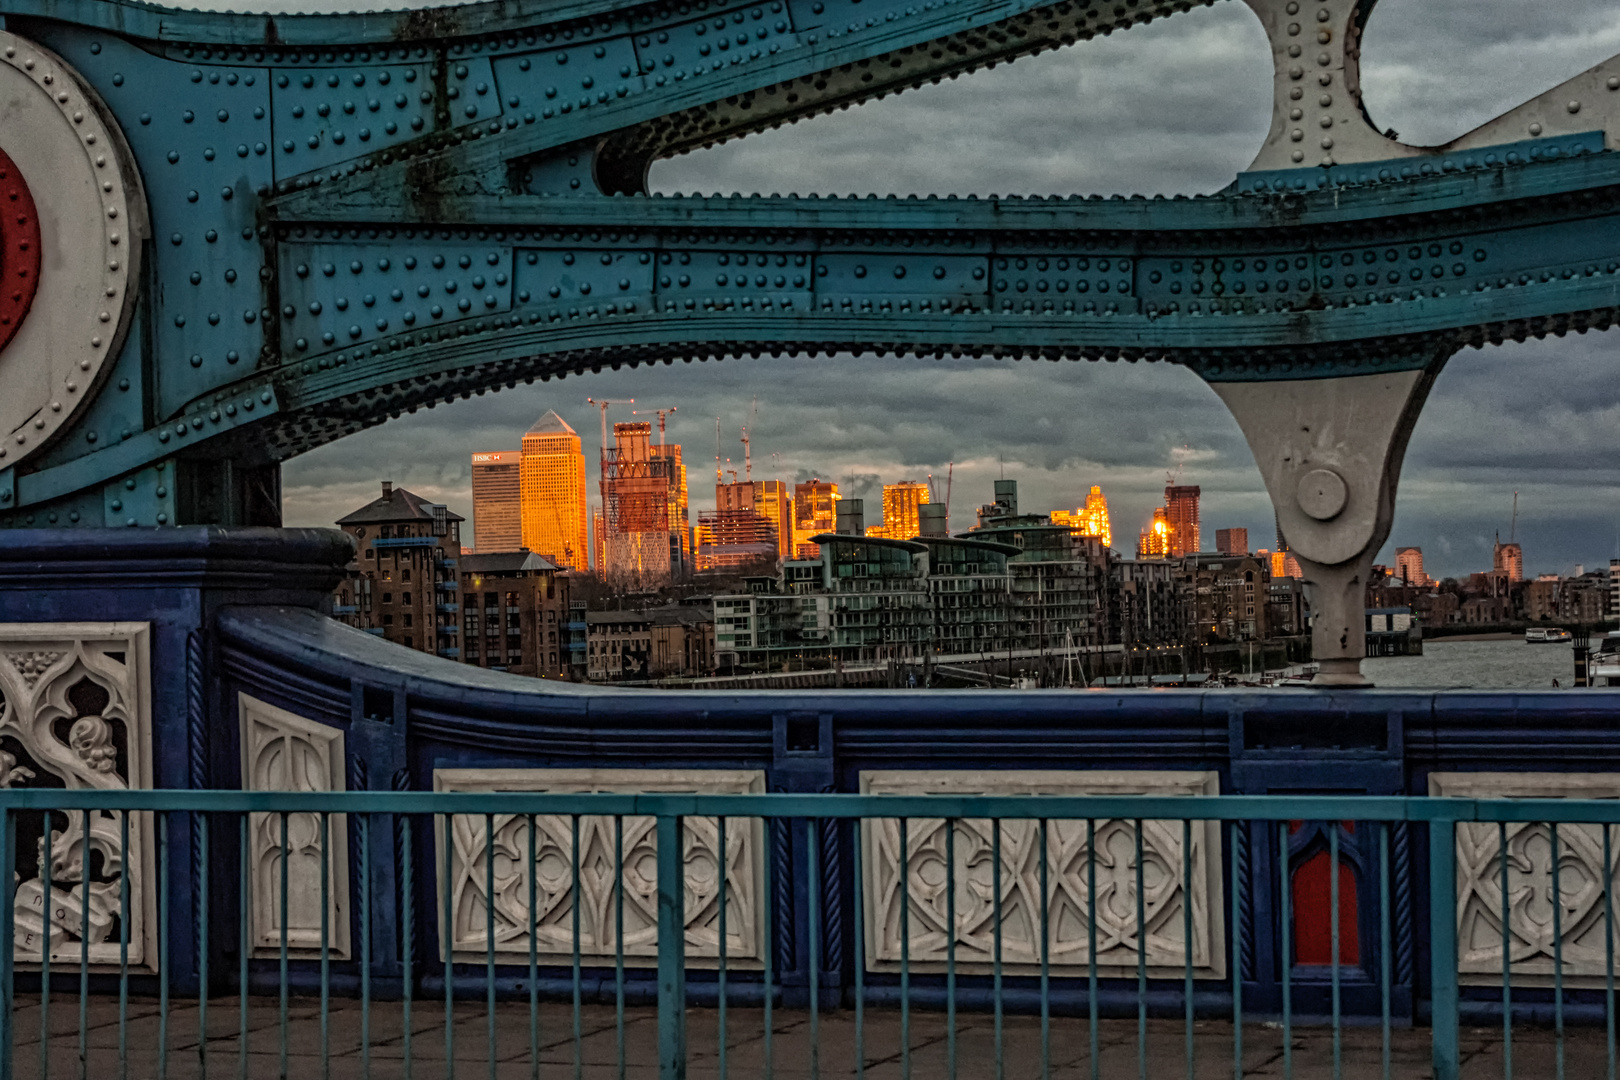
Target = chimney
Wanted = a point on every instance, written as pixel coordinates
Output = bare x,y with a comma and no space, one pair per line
388,490
851,517
931,519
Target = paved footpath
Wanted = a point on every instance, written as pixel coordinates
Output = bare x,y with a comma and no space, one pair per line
597,1048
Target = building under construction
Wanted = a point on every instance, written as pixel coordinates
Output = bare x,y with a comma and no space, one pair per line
640,489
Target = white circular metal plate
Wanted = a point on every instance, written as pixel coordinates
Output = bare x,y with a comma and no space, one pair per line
91,215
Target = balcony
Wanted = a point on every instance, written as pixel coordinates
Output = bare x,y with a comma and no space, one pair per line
447,586
345,609
372,630
451,608
407,542
450,628
448,564
450,653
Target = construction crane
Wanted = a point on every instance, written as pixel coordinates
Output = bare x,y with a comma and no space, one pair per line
603,405
950,474
1513,527
748,450
719,477
662,413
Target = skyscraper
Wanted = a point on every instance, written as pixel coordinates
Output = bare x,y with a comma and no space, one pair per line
637,489
552,479
497,500
1232,541
1508,560
901,518
1158,539
1409,566
815,511
767,499
680,522
1181,512
1090,519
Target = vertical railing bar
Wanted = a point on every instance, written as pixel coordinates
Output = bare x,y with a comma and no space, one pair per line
1141,962
281,917
447,944
84,949
326,949
859,949
905,954
574,915
1187,937
364,892
767,916
1507,957
201,822
534,960
123,950
950,949
1046,954
1558,959
1093,1007
672,944
244,900
489,939
1608,948
1385,961
164,912
8,920
812,960
1333,961
1286,954
724,862
618,939
45,952
996,938
1445,1043
1237,949
407,936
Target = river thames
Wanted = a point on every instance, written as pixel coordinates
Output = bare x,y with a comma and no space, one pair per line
1479,665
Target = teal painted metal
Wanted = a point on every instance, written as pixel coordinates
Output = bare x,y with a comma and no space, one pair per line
1443,948
354,216
671,951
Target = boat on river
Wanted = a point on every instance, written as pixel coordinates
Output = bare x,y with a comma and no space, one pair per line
1548,635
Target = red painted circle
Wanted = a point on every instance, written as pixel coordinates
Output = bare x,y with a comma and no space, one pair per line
19,249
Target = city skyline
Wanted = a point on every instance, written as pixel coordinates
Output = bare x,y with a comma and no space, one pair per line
1173,107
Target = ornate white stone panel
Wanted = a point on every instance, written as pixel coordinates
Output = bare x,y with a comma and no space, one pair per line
1581,879
75,712
555,897
282,751
1068,862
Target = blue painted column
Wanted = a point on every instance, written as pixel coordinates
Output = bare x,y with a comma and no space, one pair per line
802,762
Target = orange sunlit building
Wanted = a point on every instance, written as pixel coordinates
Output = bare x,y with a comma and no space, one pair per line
497,501
1090,519
1158,539
902,518
551,478
815,511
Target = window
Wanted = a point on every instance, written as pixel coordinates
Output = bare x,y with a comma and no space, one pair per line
388,598
407,618
406,596
388,620
410,642
406,577
371,553
385,531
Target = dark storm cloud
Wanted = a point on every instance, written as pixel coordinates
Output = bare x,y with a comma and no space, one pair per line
1178,106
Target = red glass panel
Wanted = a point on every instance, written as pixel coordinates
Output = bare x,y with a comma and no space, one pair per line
1313,912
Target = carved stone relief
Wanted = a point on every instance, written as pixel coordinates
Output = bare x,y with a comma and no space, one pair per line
1068,899
1582,877
552,919
75,713
282,751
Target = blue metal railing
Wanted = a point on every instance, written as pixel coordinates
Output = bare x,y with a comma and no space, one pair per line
407,541
302,824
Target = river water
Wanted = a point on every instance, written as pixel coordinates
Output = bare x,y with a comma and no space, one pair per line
1478,665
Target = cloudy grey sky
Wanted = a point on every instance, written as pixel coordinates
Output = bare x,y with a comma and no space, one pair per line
1177,106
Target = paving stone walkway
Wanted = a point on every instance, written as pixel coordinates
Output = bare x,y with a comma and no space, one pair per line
597,1053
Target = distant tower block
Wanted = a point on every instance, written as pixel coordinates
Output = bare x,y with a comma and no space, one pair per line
1181,511
497,501
1409,566
552,478
1158,539
637,488
901,520
1508,560
815,511
1232,541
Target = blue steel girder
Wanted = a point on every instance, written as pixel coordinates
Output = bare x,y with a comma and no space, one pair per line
352,216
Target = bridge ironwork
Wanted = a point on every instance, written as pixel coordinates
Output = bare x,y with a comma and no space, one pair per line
235,238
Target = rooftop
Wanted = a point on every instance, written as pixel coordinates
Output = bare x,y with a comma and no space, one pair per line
395,505
504,562
550,424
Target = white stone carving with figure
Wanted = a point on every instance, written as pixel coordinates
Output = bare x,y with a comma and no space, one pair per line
1164,891
75,712
1582,878
282,751
552,870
